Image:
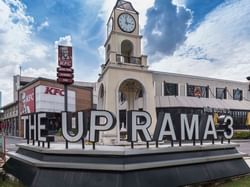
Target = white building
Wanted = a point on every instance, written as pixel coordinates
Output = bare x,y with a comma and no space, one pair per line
125,82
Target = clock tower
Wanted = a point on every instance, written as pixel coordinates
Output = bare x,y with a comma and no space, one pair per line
124,82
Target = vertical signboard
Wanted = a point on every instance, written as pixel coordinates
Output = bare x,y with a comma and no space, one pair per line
65,56
64,71
27,99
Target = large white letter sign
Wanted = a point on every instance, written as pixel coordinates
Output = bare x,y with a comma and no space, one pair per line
100,120
32,127
138,123
41,127
65,132
25,126
229,131
210,123
161,131
190,129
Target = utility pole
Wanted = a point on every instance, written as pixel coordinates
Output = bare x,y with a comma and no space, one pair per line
20,71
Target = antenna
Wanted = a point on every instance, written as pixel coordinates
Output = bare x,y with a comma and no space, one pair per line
20,71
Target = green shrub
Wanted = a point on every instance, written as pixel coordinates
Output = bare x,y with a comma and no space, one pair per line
241,135
59,132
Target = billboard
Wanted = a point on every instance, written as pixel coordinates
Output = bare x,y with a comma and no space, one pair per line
27,99
64,71
51,99
65,56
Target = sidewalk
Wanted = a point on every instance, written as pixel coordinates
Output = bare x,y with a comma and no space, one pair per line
15,137
241,140
247,160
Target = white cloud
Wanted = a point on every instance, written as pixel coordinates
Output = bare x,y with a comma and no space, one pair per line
179,2
219,47
43,25
101,51
65,40
18,45
41,72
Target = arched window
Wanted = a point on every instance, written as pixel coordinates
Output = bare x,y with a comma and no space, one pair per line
127,50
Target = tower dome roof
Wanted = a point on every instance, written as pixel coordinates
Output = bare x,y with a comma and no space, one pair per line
125,5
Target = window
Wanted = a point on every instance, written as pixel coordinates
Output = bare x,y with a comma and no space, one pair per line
140,94
170,89
197,91
237,94
221,93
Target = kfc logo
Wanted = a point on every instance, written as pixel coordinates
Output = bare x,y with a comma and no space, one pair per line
54,91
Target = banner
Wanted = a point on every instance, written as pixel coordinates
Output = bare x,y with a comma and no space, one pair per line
27,100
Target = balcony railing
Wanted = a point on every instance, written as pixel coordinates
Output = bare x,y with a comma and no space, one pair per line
128,59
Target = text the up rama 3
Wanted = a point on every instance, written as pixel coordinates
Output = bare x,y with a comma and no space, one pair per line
173,127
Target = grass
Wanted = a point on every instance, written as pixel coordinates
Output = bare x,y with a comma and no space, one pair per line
6,181
241,135
237,182
9,183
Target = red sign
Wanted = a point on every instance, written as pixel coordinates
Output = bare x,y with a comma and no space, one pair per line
54,91
27,104
65,56
65,70
65,80
65,75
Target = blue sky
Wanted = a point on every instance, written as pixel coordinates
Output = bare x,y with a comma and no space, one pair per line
180,36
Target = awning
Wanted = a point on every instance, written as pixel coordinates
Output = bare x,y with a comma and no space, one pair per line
196,102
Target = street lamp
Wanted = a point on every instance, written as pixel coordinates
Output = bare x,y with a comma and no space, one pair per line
248,78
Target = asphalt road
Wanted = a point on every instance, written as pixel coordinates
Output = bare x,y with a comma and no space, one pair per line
12,141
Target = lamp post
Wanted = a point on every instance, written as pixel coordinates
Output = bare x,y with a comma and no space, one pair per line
248,78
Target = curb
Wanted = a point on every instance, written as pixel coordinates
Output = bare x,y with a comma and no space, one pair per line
15,137
241,140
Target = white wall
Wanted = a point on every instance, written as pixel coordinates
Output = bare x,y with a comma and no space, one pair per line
47,102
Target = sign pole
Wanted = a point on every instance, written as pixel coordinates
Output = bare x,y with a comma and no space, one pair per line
65,97
65,73
66,106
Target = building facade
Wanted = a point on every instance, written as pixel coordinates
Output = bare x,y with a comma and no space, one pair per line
126,83
45,95
193,94
9,123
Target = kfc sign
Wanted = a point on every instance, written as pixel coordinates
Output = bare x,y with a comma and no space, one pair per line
51,99
27,102
54,91
64,71
65,56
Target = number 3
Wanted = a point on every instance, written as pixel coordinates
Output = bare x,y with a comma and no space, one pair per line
229,131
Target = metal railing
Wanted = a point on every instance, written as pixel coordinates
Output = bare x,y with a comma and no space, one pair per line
128,59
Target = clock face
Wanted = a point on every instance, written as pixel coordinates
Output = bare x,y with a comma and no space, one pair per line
126,22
